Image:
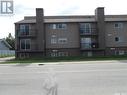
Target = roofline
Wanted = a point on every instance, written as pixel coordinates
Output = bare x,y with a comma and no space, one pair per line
6,43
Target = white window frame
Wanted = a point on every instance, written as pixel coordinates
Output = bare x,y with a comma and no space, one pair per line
54,53
61,53
22,27
53,39
25,44
62,40
85,26
119,25
119,39
121,52
89,53
58,26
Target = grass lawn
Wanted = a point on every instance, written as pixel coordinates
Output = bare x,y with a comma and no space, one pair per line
65,59
3,56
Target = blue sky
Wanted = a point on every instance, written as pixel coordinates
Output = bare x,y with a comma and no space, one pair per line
58,7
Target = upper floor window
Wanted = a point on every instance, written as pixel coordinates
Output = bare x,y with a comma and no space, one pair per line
58,26
118,39
24,29
25,44
118,25
85,27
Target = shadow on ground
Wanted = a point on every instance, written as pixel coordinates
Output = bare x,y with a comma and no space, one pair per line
22,64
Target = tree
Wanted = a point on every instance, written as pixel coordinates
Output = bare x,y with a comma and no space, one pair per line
11,41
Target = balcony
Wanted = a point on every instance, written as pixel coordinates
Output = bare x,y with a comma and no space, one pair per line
88,31
89,46
29,33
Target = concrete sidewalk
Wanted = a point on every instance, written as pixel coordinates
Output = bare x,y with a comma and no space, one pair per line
6,59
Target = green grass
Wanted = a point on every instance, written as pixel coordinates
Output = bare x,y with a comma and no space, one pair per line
66,59
2,56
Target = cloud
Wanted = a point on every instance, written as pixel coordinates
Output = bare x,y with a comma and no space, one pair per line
58,7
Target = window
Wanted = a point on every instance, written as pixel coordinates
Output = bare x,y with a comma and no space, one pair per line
54,53
25,44
119,39
116,39
89,54
24,55
85,27
53,39
118,25
24,29
119,52
62,40
62,53
58,26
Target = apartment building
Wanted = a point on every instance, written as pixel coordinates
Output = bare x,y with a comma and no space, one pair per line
87,35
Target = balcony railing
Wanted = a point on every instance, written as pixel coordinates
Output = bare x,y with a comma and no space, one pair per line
88,31
30,33
89,45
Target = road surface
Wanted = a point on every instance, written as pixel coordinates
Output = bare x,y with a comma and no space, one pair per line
103,78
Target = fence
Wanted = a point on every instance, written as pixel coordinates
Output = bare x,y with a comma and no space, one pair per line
7,53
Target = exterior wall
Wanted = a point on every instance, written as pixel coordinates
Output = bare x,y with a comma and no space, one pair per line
112,32
89,53
67,51
116,51
40,36
3,46
71,33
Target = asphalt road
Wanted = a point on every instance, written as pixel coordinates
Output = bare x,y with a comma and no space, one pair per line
98,78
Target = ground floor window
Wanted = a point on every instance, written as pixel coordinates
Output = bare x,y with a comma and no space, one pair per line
119,52
24,55
87,53
62,53
56,53
25,44
53,53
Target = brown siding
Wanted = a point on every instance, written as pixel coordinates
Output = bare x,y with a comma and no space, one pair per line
71,33
112,32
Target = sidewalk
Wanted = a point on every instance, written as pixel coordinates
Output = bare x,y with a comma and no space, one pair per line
6,58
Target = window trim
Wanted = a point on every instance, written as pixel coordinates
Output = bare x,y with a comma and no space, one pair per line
58,26
24,29
25,44
53,39
62,40
84,28
118,24
119,39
